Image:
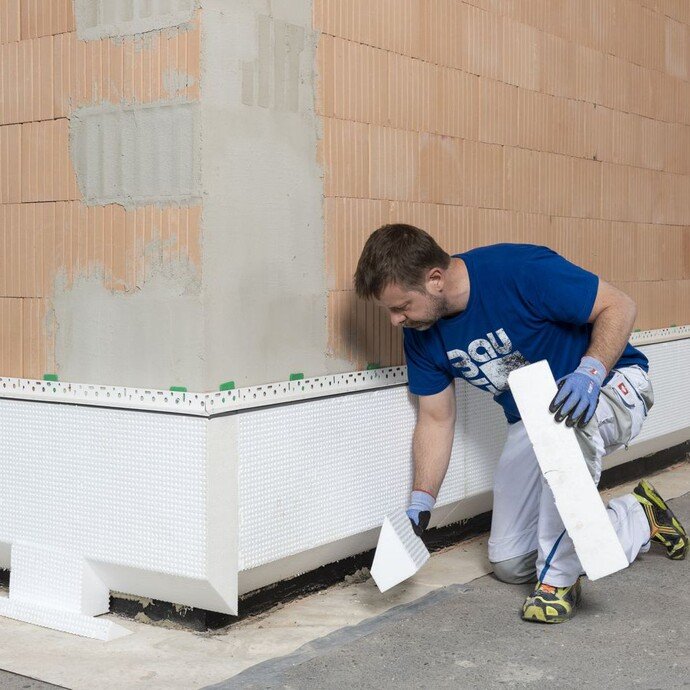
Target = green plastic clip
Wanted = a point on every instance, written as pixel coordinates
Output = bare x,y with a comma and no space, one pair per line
373,365
227,386
50,377
296,377
673,325
178,389
638,330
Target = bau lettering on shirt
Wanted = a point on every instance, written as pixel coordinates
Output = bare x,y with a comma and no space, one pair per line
488,361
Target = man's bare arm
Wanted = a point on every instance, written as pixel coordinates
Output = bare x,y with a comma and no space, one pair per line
613,316
433,439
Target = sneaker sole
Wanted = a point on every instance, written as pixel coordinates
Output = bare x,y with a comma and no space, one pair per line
536,614
679,549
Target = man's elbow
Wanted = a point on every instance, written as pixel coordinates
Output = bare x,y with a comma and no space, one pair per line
438,421
437,418
631,306
622,304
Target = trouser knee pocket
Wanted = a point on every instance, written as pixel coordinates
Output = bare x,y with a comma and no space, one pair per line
631,396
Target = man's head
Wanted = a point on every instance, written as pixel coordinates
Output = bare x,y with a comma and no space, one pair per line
404,270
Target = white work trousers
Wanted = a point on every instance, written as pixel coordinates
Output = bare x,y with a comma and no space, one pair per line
525,518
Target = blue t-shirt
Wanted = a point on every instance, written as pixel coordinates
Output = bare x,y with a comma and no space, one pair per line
527,303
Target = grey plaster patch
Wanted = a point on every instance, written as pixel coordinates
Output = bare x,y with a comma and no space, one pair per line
136,156
101,18
175,81
271,80
151,337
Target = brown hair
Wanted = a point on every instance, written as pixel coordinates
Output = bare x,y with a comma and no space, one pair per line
399,254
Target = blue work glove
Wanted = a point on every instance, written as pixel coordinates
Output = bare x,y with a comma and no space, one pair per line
419,512
578,393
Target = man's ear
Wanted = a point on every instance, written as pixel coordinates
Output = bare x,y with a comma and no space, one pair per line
435,280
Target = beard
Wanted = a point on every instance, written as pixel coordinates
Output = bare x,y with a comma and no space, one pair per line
439,309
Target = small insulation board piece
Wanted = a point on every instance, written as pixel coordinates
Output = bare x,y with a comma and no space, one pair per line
65,621
564,467
58,590
400,553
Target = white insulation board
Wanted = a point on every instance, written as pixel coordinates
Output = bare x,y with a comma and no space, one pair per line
335,467
563,465
400,553
140,501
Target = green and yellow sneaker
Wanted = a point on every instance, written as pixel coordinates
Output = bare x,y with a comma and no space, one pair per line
663,524
549,604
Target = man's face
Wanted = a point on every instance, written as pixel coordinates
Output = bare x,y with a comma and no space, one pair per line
412,309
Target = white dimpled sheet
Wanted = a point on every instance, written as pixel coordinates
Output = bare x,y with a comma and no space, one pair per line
56,579
669,372
113,485
480,433
332,468
99,499
327,469
60,590
413,544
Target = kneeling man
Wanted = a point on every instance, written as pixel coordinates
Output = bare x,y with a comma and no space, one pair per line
481,314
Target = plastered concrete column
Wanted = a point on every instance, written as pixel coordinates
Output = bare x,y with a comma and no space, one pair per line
264,286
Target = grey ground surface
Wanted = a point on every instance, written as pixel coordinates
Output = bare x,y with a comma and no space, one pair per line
632,631
12,681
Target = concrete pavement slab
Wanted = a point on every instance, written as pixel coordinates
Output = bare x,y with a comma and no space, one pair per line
632,630
11,681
